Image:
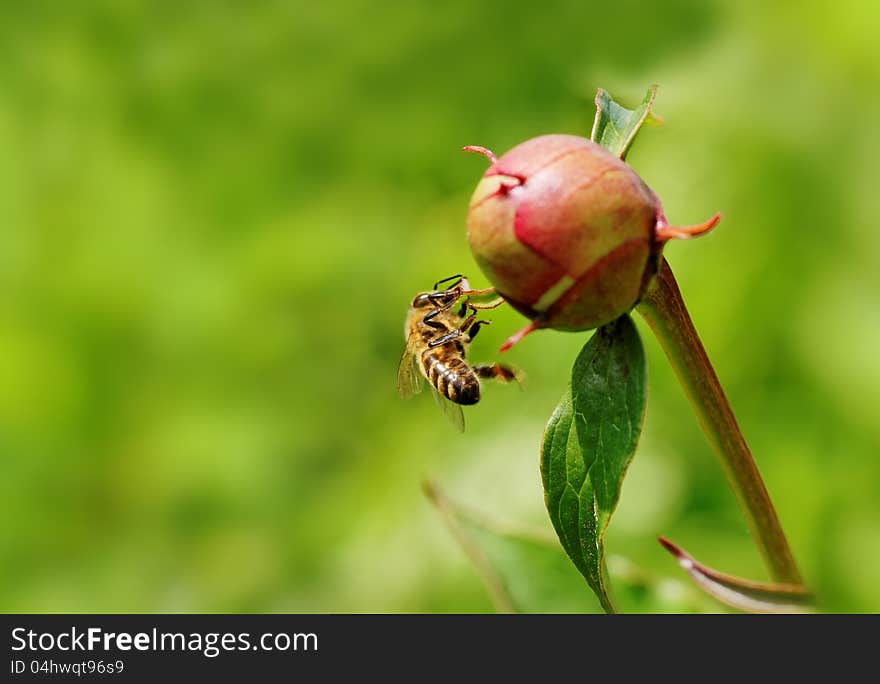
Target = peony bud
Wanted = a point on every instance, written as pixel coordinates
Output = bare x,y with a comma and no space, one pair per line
567,233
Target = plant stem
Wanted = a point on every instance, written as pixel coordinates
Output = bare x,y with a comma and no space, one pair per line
494,585
663,308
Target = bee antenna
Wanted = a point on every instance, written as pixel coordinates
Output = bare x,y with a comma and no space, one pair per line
446,280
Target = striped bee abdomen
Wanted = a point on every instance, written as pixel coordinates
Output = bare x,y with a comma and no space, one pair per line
451,376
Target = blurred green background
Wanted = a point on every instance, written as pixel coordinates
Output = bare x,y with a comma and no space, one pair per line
213,215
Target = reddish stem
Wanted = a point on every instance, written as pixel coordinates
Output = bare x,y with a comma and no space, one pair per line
665,311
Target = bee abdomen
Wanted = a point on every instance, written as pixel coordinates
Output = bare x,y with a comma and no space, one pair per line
453,378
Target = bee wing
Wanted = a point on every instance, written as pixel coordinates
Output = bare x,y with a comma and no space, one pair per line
409,379
451,410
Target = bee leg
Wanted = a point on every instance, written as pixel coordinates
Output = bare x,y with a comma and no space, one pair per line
466,289
427,320
497,371
467,322
493,305
475,328
445,339
434,324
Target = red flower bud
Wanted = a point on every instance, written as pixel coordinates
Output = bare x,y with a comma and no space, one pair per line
567,233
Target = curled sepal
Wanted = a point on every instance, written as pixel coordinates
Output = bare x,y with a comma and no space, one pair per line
663,232
742,594
615,127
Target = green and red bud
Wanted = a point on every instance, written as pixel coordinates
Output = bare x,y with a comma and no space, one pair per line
567,233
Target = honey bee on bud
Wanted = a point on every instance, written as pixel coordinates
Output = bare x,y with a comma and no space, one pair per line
440,325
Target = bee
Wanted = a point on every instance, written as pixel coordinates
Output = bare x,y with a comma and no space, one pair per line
440,325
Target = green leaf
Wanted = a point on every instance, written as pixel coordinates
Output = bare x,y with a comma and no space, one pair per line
589,443
615,127
743,594
492,581
524,569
